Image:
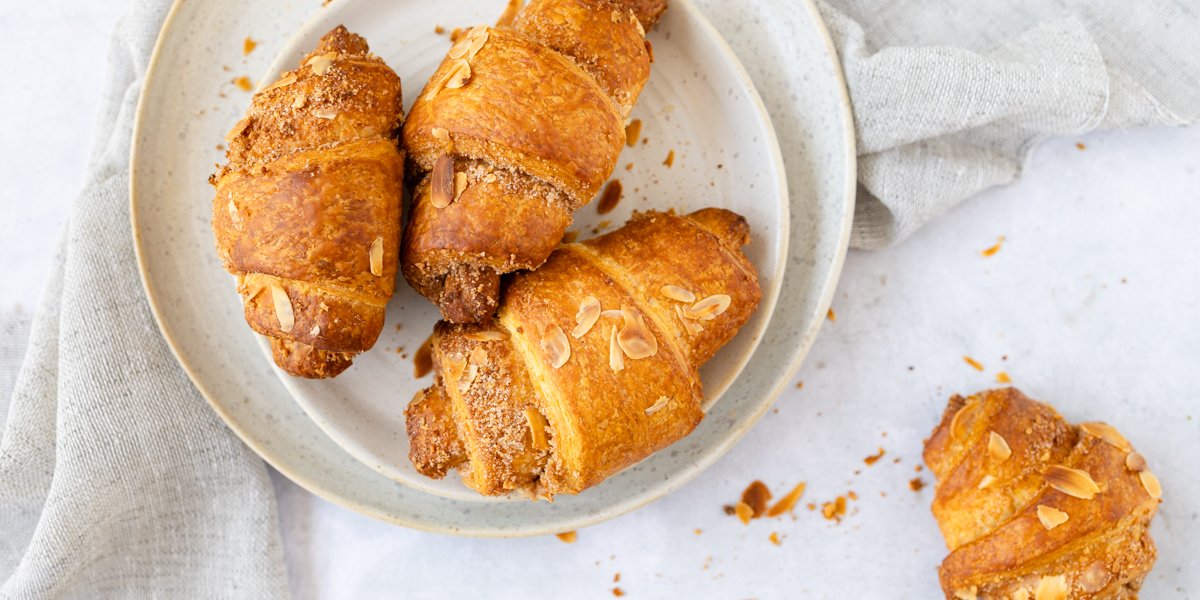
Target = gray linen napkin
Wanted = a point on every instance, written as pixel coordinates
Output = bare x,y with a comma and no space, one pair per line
116,480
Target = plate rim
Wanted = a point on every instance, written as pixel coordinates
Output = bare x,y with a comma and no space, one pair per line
808,337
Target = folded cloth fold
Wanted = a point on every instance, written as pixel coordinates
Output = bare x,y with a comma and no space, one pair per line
116,478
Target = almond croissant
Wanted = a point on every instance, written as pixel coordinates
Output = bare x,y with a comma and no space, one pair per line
591,363
1034,508
307,212
517,128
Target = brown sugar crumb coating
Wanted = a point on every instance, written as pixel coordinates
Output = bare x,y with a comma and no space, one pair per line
307,210
519,126
591,363
1034,507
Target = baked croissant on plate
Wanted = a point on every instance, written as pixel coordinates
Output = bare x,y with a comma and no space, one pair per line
307,212
517,128
1035,508
591,363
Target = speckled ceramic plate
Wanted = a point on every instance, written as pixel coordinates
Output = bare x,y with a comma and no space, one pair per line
350,445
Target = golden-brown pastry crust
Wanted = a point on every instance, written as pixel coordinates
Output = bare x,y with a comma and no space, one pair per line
596,419
1001,506
307,211
533,116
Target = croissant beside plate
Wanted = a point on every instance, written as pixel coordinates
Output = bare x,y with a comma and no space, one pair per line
518,127
1033,508
307,212
592,362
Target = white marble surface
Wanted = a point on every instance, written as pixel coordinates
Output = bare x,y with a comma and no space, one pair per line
1093,299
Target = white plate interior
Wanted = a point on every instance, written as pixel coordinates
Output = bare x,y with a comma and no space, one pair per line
187,103
699,104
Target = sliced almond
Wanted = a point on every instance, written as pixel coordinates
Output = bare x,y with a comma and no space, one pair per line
237,130
658,405
283,308
677,293
556,346
1052,588
464,384
234,216
689,325
325,113
635,338
586,317
1051,517
1107,433
998,447
957,423
611,314
460,184
616,358
315,331
454,367
537,428
986,482
460,75
971,593
283,82
1022,593
708,308
486,336
1135,462
476,39
1072,482
377,257
440,133
459,49
441,183
1150,484
320,63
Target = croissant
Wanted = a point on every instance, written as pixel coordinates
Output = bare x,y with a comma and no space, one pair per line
591,363
1034,508
307,211
518,127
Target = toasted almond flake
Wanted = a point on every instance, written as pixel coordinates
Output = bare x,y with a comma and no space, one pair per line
658,405
300,100
1094,578
441,184
1052,588
283,308
616,358
1135,462
464,384
586,317
986,482
1022,593
234,217
689,325
460,75
611,314
1151,484
486,336
440,133
316,330
636,340
320,64
283,82
971,593
556,346
237,130
708,308
998,447
459,49
744,512
787,502
956,423
1072,482
377,257
460,184
537,428
476,38
677,293
1051,517
1108,433
325,113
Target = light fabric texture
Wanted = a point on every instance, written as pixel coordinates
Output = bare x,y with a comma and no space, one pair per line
950,96
117,480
